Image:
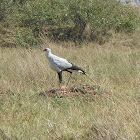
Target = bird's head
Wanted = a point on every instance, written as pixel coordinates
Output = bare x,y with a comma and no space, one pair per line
47,50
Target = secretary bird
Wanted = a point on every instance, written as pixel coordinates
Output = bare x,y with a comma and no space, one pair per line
59,64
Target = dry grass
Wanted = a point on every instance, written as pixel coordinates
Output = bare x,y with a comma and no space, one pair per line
24,73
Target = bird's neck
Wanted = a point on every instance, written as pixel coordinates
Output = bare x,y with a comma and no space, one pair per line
49,55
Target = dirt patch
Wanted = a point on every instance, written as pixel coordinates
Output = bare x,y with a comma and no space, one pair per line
78,90
3,92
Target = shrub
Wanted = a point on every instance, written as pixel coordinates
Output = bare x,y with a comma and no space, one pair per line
5,8
67,20
25,37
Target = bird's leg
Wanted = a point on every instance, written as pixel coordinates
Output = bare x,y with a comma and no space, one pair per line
69,77
60,84
60,78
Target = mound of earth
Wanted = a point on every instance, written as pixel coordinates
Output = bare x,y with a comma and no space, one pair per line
3,91
79,90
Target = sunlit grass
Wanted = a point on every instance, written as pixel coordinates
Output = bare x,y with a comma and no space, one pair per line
24,114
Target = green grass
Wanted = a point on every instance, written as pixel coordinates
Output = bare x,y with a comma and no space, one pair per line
25,73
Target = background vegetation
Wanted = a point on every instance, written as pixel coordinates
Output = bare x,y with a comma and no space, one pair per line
23,22
109,53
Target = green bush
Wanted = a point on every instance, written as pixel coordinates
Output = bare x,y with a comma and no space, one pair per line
67,20
5,8
25,37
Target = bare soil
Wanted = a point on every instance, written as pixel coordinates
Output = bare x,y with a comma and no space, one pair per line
78,90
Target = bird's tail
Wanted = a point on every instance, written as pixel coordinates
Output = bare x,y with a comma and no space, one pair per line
74,67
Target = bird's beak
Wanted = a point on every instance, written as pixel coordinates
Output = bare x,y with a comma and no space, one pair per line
45,50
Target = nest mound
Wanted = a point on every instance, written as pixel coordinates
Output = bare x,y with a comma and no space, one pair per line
3,92
79,90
